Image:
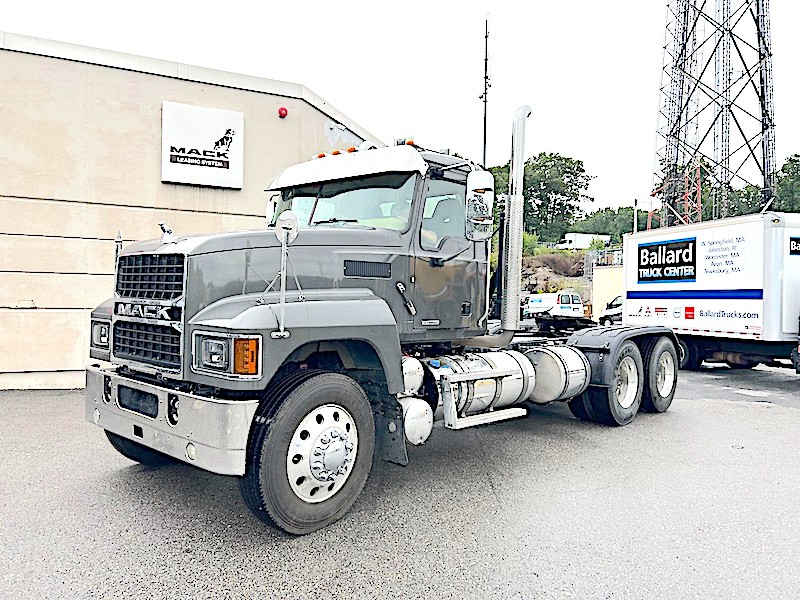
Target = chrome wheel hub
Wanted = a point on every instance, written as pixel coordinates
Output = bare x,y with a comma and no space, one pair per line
627,382
321,453
665,374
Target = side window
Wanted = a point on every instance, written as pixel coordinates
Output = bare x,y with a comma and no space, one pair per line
576,299
563,299
443,213
616,302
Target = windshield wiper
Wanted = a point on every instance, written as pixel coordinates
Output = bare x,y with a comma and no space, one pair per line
334,220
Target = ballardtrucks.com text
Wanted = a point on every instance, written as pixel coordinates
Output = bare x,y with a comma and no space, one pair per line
724,314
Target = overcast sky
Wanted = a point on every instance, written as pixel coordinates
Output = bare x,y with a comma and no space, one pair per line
590,70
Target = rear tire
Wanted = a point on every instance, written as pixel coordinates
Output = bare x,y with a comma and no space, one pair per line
619,403
689,355
138,453
661,375
310,454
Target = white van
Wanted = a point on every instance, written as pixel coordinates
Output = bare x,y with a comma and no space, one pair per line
564,303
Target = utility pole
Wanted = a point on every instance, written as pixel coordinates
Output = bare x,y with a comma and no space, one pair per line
486,86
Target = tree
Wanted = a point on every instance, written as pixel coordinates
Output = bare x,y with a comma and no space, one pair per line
614,222
746,201
787,189
597,244
553,186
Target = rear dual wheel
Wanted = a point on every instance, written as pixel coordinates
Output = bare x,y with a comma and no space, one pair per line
690,359
647,382
310,454
661,360
618,403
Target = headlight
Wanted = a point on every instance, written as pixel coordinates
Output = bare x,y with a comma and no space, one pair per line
100,331
214,353
232,355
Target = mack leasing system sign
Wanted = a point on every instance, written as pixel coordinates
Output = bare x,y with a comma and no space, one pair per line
202,146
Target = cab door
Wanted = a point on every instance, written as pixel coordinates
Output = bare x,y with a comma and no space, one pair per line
449,270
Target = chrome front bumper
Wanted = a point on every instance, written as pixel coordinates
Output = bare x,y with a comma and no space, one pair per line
213,432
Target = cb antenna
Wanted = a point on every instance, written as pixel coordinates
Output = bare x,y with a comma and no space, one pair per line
486,86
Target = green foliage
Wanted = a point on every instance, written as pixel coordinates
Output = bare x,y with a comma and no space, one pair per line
544,250
597,244
553,186
787,189
611,221
530,241
747,200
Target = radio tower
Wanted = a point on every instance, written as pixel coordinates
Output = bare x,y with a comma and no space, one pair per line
716,133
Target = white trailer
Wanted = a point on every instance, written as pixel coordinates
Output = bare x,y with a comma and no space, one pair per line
581,241
729,288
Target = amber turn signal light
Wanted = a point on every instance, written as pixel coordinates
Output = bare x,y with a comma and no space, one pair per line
245,356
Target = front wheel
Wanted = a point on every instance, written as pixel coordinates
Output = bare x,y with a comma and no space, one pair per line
310,457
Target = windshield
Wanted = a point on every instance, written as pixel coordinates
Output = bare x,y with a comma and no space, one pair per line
382,200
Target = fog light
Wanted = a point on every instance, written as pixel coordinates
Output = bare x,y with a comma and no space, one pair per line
96,416
191,451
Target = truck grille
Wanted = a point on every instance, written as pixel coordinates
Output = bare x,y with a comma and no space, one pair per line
158,345
150,276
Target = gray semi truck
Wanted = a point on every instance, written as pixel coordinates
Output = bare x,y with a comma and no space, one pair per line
353,325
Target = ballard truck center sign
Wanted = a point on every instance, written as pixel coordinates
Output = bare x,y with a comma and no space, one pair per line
202,146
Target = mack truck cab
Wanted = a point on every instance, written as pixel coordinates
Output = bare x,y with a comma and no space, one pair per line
352,324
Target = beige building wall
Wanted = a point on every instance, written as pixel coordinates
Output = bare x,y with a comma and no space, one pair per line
607,283
80,159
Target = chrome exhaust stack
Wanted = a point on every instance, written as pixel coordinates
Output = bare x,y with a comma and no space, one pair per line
512,244
513,226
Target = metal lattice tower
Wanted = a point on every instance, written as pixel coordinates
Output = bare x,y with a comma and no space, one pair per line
716,120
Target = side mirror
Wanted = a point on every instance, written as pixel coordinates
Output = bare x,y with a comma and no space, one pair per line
480,204
269,208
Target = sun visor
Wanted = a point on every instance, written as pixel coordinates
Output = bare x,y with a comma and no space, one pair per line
400,159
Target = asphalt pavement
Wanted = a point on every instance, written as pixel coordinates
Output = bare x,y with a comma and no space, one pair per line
700,502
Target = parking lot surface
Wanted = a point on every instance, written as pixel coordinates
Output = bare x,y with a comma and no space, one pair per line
700,502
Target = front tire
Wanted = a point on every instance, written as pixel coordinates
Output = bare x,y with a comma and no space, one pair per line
138,453
661,376
310,456
619,403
